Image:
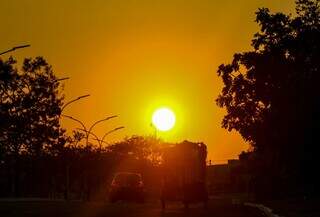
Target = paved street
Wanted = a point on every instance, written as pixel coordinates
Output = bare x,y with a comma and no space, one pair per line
78,209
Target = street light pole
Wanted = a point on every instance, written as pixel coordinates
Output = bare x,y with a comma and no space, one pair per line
97,122
66,196
77,120
91,133
60,115
107,133
85,175
74,100
88,133
155,130
99,141
15,48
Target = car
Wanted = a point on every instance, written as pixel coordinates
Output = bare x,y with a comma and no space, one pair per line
127,186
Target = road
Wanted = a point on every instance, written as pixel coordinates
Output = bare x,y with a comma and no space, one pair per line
96,209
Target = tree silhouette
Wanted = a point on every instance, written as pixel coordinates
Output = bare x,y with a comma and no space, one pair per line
139,147
30,104
271,93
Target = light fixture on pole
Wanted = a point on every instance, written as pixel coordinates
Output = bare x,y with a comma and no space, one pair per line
15,48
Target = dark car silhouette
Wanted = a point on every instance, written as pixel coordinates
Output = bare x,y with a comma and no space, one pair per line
127,187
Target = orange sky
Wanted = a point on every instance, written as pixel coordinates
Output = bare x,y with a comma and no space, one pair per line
133,56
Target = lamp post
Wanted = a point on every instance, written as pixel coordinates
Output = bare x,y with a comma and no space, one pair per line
15,48
91,133
68,165
74,100
100,141
97,122
155,130
77,120
107,133
88,132
68,103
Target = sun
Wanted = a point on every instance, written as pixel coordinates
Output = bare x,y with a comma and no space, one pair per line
163,119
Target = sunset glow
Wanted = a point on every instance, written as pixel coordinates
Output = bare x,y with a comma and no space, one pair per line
133,57
159,108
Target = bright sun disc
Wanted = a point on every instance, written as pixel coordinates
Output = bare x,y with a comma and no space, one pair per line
163,119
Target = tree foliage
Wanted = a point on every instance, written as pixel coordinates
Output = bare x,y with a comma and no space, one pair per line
139,147
30,105
271,93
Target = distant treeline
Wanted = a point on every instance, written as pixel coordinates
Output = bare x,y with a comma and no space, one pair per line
80,172
37,156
